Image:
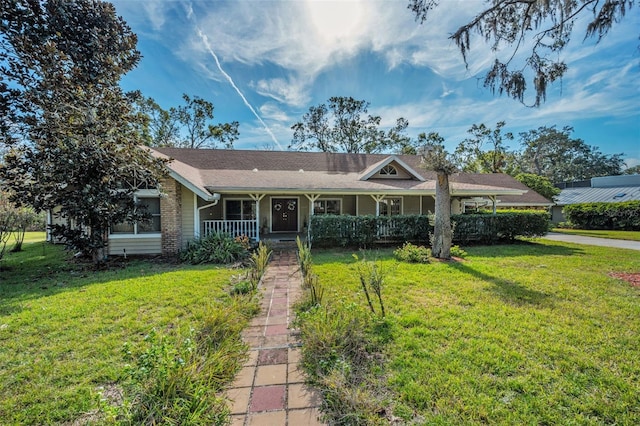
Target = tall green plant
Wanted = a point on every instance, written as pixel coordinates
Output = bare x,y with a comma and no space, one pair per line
372,276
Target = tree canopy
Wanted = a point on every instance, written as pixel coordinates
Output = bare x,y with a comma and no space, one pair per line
184,126
547,26
471,155
345,126
552,153
72,131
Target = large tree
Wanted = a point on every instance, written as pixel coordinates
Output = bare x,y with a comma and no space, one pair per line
345,126
438,159
184,126
547,151
543,26
542,185
71,129
485,151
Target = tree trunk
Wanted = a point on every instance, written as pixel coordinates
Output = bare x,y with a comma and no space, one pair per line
441,244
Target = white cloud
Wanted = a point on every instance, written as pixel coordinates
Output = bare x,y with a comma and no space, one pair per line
289,91
271,111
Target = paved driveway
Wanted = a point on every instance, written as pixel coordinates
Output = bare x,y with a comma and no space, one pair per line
592,241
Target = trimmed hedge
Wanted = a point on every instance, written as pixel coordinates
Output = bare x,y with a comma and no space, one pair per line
490,229
363,231
623,216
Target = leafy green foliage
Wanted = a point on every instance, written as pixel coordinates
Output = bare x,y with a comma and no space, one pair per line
217,248
470,155
71,129
622,216
541,184
363,231
342,127
557,156
458,252
412,253
490,229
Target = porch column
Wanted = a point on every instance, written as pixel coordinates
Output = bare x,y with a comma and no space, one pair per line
494,201
312,198
257,198
377,199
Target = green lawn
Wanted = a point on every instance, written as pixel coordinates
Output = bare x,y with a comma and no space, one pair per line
616,235
63,326
531,333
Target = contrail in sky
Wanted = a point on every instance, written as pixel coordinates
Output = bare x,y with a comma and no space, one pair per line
205,40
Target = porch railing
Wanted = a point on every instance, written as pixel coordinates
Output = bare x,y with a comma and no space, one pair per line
234,228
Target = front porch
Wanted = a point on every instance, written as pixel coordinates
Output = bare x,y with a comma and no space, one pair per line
250,229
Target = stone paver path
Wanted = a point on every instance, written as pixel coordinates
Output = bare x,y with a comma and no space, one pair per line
270,390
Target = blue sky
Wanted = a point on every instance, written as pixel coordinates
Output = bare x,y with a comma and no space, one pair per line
265,62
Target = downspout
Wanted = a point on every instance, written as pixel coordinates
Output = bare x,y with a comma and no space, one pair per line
216,198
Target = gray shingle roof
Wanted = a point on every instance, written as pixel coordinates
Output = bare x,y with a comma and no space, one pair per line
210,171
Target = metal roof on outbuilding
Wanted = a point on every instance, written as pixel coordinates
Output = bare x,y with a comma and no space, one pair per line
595,195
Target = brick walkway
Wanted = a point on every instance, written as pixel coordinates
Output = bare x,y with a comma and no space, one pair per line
270,390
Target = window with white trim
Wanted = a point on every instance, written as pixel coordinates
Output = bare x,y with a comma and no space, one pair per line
390,207
151,226
240,210
327,207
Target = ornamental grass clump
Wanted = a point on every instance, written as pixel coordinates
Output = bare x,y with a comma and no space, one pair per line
179,379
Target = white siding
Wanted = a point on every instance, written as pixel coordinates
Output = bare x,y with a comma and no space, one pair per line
135,245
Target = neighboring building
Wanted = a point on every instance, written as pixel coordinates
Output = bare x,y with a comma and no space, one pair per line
270,194
607,189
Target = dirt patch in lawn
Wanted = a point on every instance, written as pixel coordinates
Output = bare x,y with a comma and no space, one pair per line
631,278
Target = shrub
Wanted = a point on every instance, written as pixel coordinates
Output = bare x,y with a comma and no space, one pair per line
489,228
412,253
618,216
363,231
214,248
458,252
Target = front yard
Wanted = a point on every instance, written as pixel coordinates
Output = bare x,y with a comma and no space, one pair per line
532,333
63,327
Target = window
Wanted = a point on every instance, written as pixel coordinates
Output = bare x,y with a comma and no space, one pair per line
326,207
388,170
240,209
152,207
390,207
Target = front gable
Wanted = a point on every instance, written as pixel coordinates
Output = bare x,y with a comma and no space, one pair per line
390,168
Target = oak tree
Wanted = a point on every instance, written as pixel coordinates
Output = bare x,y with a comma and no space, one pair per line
546,26
547,151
